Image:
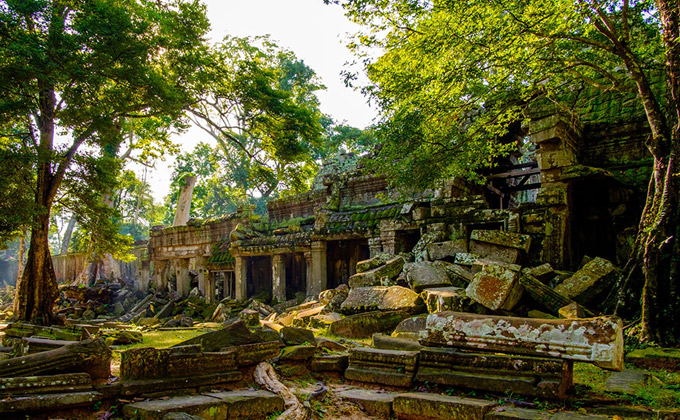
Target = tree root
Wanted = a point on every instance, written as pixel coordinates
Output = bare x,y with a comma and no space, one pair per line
265,376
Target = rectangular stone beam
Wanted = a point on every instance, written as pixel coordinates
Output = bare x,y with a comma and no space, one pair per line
594,340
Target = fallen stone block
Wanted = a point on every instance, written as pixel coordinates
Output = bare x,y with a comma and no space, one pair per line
411,327
586,284
48,402
373,263
385,367
252,354
152,363
572,311
157,385
502,238
233,334
545,296
382,298
446,250
466,259
382,275
514,413
495,287
495,252
244,404
594,340
297,353
303,318
293,336
426,406
18,330
69,382
324,320
520,375
459,275
657,358
543,273
448,299
365,324
387,342
426,274
374,403
626,381
30,345
323,342
330,363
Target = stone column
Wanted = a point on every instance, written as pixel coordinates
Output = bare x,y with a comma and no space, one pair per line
388,239
183,279
206,284
374,246
240,277
143,276
160,276
279,277
184,202
308,276
319,279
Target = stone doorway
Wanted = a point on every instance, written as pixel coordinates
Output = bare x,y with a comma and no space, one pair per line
342,258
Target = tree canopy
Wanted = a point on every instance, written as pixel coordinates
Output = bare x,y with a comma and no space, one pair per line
452,77
73,76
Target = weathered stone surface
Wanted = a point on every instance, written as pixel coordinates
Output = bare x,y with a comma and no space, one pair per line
466,259
444,250
70,382
330,363
373,263
426,406
233,334
244,404
292,336
572,311
368,323
324,320
30,345
502,238
626,381
156,385
250,317
521,375
411,327
385,367
181,416
459,275
448,299
21,329
594,278
495,252
382,275
333,298
595,340
658,358
252,354
302,352
150,363
47,402
387,342
382,298
426,274
545,296
374,403
495,287
323,342
514,413
543,273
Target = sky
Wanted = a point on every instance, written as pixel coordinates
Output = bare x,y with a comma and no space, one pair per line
311,29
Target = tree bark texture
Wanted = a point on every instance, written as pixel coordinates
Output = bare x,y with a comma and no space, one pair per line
265,376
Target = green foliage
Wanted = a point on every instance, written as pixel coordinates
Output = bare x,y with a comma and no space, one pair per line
454,79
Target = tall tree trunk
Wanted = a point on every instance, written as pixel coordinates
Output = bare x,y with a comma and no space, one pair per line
66,241
21,260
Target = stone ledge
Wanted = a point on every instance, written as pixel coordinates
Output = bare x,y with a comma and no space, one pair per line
424,406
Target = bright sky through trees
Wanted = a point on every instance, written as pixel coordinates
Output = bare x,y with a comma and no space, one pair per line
312,30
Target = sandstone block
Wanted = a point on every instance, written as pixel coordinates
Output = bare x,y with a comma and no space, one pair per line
382,298
594,278
447,299
502,238
385,367
368,323
495,252
411,327
372,263
382,275
374,403
444,250
426,274
495,287
426,406
330,363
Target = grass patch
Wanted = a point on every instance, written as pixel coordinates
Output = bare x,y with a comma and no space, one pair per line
662,391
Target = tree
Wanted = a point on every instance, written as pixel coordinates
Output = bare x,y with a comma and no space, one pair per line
453,75
71,74
261,107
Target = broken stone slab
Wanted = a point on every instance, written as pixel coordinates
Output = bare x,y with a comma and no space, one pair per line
373,263
545,296
293,336
250,317
543,273
30,345
426,274
181,416
383,298
495,287
385,367
594,340
303,318
366,324
323,342
481,263
411,327
48,402
324,320
252,354
449,299
90,356
427,406
572,311
374,403
329,363
151,363
586,284
520,375
626,381
18,330
502,238
387,342
333,298
150,387
244,404
69,382
495,252
446,250
297,353
466,259
233,334
382,275
459,275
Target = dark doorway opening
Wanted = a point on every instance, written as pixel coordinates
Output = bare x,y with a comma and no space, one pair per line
259,281
342,258
296,275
